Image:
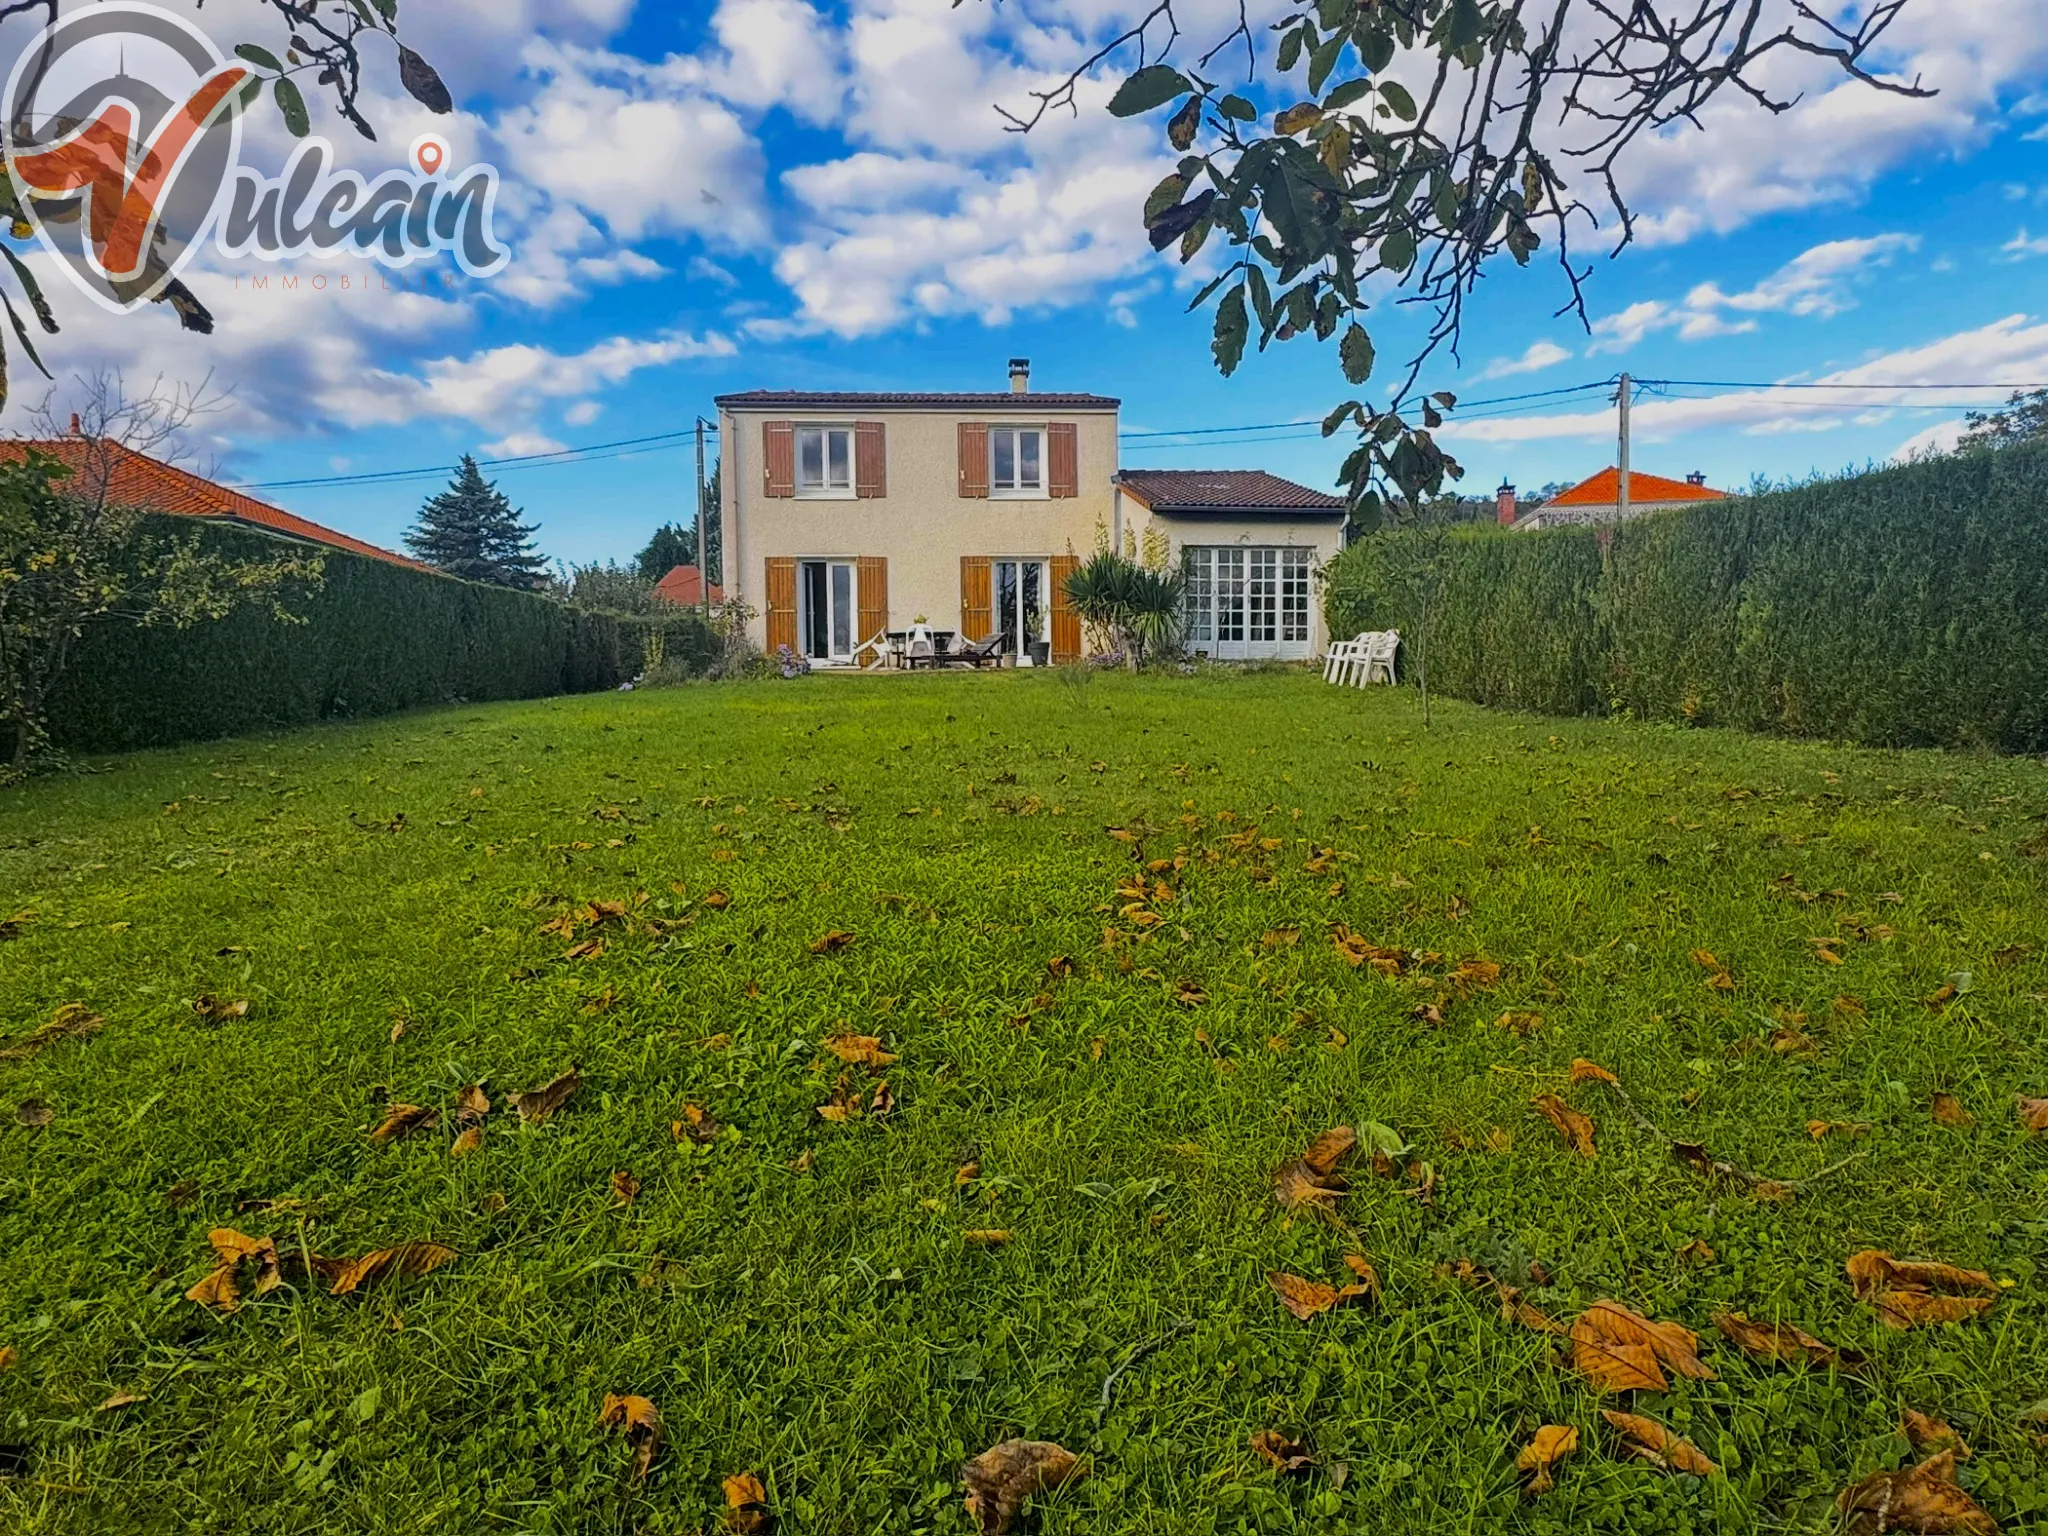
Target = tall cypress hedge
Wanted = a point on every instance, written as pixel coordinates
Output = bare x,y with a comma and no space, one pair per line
377,637
1906,606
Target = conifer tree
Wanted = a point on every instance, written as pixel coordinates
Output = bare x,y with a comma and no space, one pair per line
470,530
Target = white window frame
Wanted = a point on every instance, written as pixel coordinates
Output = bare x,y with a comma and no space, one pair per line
1250,601
1017,490
825,431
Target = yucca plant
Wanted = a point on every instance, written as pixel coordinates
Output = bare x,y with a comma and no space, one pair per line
1139,608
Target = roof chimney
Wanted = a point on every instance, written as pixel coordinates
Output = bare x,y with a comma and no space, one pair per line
1697,477
1505,500
1020,375
76,431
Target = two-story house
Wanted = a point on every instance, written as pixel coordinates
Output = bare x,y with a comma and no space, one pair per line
850,515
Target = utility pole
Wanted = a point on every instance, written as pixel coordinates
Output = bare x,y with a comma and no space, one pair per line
703,551
1621,494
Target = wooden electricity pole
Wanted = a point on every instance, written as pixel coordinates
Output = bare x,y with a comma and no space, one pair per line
703,551
1621,494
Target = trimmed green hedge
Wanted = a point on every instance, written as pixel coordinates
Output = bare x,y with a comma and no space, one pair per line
378,637
1907,606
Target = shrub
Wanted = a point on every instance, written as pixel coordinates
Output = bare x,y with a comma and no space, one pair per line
1905,606
375,638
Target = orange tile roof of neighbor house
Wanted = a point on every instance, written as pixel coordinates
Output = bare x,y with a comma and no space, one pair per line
1604,490
137,480
684,587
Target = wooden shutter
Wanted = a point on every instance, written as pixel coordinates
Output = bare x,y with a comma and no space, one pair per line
974,460
778,458
870,459
781,587
1062,454
1066,622
975,606
871,573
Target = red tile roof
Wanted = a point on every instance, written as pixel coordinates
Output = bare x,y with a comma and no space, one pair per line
1604,490
137,480
1224,490
684,587
1030,401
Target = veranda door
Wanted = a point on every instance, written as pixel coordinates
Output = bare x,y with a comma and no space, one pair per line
826,598
1248,602
1021,595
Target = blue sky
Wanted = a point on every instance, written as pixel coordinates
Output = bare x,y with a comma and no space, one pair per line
768,193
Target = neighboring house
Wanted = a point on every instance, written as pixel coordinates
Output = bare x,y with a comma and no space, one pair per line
1598,499
1251,544
136,480
684,586
850,516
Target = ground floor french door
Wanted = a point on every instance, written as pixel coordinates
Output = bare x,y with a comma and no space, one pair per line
1248,602
1021,597
827,594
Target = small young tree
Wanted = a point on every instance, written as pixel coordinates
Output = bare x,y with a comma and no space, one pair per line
71,556
2023,418
470,530
616,588
1417,562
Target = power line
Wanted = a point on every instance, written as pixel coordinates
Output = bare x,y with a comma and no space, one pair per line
585,454
1753,384
1462,407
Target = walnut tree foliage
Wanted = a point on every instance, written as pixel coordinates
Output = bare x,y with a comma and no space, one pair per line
1426,138
327,43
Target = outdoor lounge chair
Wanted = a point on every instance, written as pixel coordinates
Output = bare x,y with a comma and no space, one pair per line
985,652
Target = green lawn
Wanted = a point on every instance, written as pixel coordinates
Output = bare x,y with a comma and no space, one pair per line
800,1298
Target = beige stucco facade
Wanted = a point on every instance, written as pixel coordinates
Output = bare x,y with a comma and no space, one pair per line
922,525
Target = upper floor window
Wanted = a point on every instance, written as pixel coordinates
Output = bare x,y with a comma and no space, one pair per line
824,461
1016,461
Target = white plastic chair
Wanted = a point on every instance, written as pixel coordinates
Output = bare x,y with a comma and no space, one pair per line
1337,660
1378,664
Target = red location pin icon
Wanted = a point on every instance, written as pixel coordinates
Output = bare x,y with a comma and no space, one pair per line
430,154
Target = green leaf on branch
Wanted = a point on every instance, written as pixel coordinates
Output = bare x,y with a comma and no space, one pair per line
422,83
1355,353
1237,109
1153,86
1347,93
260,56
21,335
1322,59
1376,49
1290,48
1335,419
1397,251
1396,96
293,106
1233,326
33,289
1164,196
1467,24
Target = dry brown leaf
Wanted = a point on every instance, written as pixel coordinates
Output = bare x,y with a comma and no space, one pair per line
1696,1252
469,1141
1546,1448
403,1120
831,942
1907,1294
2033,1115
746,1504
1283,1455
1002,1479
471,1104
882,1104
218,1010
625,1188
1367,1283
1623,1351
1704,959
8,1356
966,1174
1520,1022
1850,1007
1470,976
1304,1298
1948,1110
34,1114
418,1258
71,1021
986,1237
1514,1309
859,1050
1431,1014
1721,981
1312,1179
641,1421
1060,967
1575,1128
123,1400
1279,938
1820,1130
1782,1342
1499,1140
1931,1434
1788,1041
697,1125
589,949
1923,1499
1584,1071
1652,1442
842,1106
539,1104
